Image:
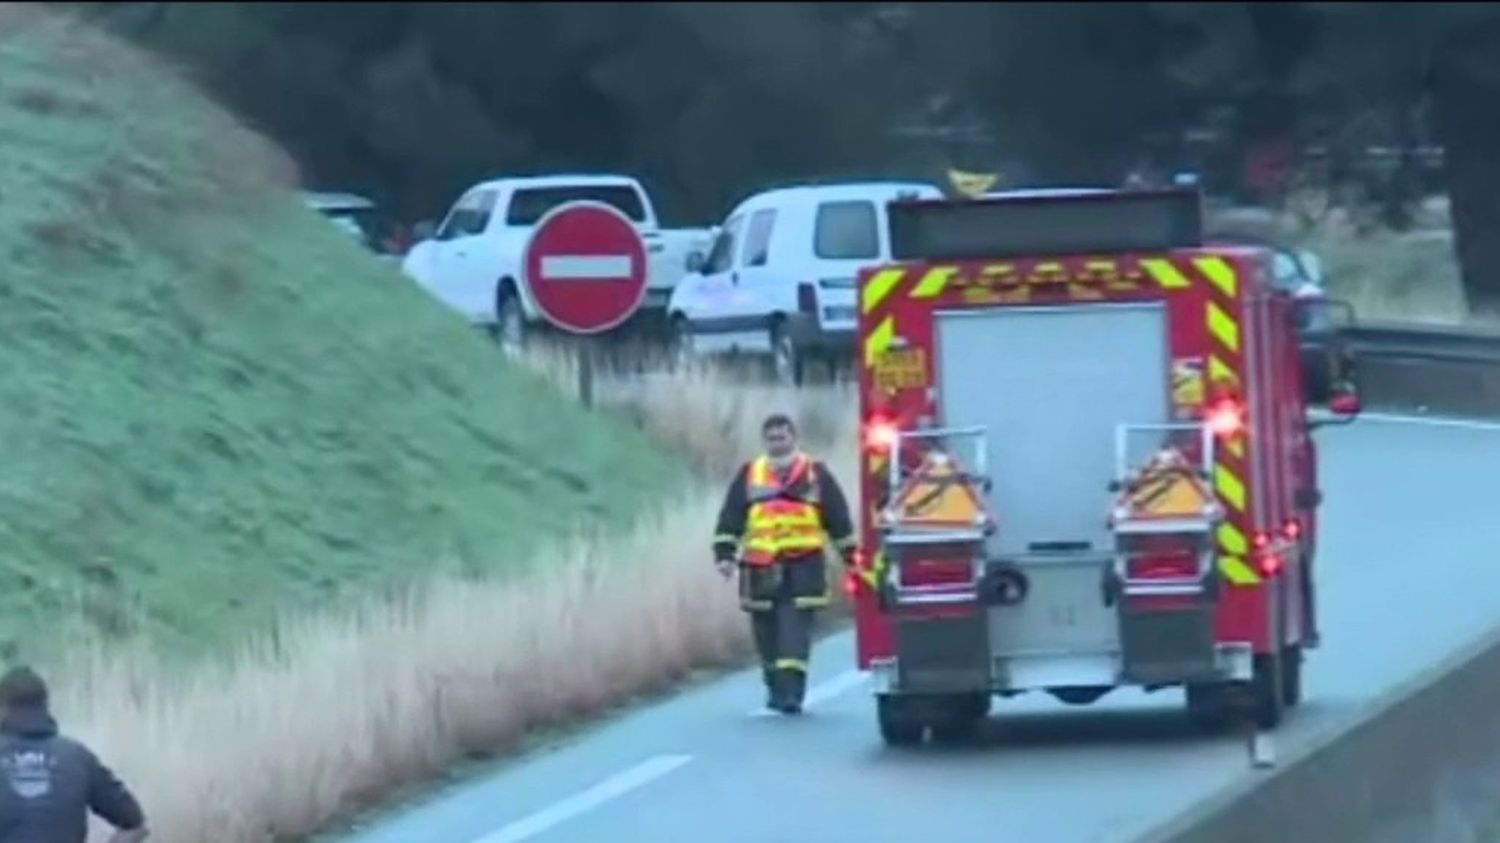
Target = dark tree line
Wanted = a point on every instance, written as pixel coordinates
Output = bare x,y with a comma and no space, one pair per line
409,102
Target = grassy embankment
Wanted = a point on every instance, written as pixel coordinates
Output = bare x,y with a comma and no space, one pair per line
217,407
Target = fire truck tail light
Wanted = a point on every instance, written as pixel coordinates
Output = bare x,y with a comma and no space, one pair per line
880,434
1293,529
1163,566
1261,540
1270,563
937,572
1226,417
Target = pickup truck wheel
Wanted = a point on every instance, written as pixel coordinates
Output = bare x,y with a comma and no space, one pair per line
510,321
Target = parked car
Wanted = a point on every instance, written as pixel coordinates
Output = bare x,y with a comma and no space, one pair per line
779,280
361,219
473,260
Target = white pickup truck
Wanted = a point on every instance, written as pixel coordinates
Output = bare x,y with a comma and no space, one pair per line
472,261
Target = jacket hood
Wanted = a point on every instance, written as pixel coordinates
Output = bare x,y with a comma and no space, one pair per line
28,723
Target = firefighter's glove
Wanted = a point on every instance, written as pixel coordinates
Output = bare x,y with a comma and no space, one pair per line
848,555
725,566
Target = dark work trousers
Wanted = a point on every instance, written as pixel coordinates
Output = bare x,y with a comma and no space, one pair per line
783,630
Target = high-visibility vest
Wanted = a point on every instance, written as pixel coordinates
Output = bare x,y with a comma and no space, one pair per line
781,524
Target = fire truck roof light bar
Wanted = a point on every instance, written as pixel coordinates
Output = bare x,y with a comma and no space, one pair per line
998,228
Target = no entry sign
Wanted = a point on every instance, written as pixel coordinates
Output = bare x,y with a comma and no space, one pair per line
586,267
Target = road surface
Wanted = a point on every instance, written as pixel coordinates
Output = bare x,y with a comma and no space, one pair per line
1407,576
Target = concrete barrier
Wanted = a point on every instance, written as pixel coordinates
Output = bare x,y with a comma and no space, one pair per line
1447,387
1423,766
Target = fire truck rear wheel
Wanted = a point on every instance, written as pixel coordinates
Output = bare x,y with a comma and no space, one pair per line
1208,705
1267,691
1291,676
897,725
960,717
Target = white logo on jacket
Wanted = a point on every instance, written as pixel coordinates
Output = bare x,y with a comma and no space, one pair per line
29,772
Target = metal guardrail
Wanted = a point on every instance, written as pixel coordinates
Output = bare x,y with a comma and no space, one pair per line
1419,342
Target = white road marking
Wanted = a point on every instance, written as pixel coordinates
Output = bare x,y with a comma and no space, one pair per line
822,692
611,788
1467,424
586,267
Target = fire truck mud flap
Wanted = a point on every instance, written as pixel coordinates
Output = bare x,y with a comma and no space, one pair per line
1166,642
945,653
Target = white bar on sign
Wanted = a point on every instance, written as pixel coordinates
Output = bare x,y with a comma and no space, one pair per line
585,267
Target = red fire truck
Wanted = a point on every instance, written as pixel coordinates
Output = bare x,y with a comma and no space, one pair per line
1087,462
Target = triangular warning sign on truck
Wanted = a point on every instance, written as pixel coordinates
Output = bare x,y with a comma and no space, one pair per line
937,494
1166,488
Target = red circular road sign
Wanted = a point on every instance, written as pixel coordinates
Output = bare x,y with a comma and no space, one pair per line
586,267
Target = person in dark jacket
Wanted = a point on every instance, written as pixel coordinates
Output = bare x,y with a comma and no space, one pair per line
778,515
49,783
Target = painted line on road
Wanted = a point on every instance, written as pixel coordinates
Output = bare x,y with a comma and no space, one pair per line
1467,424
611,788
822,692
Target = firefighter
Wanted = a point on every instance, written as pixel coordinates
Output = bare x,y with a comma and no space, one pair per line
50,783
779,512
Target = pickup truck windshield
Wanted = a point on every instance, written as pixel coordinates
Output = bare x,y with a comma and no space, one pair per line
530,204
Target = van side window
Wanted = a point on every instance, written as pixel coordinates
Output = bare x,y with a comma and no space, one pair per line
846,230
722,254
758,237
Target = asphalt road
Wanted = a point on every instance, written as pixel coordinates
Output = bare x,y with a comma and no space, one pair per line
1408,574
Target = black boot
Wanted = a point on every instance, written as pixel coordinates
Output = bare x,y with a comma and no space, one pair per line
796,689
773,688
788,696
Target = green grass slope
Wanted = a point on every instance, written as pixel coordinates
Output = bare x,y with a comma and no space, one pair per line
213,405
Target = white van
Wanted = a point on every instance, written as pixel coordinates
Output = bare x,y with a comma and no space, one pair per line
779,279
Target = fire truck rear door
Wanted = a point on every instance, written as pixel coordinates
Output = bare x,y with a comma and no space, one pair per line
1051,384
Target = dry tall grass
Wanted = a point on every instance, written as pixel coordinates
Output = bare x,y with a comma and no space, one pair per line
294,731
285,737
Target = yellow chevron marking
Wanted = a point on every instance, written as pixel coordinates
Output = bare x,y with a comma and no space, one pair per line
1218,371
880,339
934,281
1232,540
1223,326
879,287
1236,446
1230,487
1238,571
1220,272
1166,274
